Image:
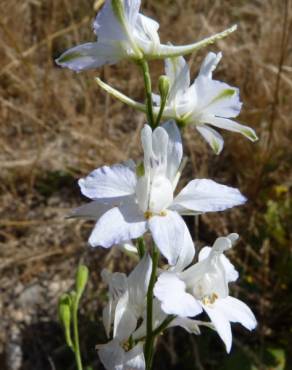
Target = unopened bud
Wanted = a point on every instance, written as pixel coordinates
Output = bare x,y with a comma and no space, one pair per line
64,309
81,279
164,87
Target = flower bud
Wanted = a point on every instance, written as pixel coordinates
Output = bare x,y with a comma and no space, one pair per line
64,309
81,279
164,87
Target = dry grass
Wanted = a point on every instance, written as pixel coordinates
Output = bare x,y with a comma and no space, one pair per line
57,126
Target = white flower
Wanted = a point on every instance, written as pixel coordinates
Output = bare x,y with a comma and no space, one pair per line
113,357
124,33
128,200
127,303
127,299
205,286
204,103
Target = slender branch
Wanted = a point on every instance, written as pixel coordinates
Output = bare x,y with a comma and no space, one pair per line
150,337
147,82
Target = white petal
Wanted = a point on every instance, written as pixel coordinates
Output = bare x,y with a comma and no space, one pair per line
92,211
237,311
107,26
213,138
107,318
221,323
109,182
117,226
228,124
160,141
191,326
177,70
125,320
117,283
209,64
128,247
230,271
112,355
138,282
168,233
134,359
146,34
132,10
216,98
146,140
174,149
155,146
221,244
208,196
90,55
171,291
233,237
187,252
204,253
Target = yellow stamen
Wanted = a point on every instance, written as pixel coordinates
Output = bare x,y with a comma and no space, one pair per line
148,215
210,299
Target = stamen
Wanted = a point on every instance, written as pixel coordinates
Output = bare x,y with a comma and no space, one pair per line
210,299
148,215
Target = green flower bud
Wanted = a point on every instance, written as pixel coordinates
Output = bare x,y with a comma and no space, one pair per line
81,279
64,309
164,87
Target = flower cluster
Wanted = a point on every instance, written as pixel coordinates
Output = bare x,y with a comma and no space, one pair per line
133,199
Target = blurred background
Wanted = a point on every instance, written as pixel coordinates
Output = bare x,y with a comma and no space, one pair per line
56,126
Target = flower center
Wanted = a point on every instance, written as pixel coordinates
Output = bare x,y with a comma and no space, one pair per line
209,299
206,288
154,195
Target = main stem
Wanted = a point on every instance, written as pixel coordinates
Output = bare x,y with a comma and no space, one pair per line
149,336
76,336
148,89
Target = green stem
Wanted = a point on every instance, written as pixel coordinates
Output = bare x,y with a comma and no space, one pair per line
162,106
163,325
76,335
141,247
148,89
150,337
